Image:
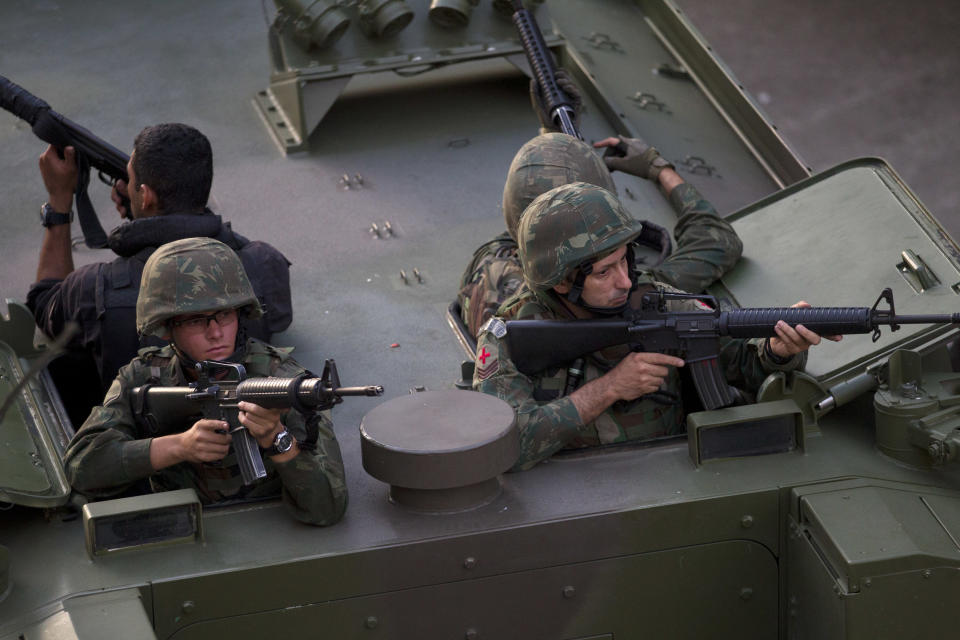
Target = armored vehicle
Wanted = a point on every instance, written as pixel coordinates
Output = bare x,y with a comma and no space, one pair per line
370,141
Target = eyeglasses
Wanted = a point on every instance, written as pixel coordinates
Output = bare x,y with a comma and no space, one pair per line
200,322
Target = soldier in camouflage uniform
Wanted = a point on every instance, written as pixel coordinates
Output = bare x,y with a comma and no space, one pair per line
196,294
574,244
707,246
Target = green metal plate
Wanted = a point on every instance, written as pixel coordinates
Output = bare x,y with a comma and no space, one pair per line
29,473
836,239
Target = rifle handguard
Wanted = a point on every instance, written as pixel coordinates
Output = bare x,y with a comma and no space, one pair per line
760,323
303,393
556,102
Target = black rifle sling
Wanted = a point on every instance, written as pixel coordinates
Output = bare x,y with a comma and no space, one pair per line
93,233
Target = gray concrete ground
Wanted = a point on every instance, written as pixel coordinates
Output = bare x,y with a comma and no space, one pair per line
852,78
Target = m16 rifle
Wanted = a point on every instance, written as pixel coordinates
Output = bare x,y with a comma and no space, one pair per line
555,101
536,345
60,131
171,409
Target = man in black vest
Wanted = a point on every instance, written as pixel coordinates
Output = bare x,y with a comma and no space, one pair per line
170,171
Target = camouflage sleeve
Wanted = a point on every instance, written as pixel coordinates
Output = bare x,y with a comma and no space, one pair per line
314,482
747,363
108,454
707,246
545,427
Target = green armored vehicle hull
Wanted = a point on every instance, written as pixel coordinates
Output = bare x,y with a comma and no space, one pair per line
830,509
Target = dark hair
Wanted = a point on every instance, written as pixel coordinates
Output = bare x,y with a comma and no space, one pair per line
176,161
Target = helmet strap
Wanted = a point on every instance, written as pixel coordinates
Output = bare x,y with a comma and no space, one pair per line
576,289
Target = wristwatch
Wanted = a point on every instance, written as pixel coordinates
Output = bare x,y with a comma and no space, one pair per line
50,218
281,444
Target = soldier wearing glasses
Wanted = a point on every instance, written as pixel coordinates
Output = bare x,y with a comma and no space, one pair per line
196,295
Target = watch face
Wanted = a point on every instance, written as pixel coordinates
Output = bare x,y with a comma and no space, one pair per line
283,442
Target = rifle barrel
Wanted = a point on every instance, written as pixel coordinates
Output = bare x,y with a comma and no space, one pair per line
930,318
371,390
20,102
760,322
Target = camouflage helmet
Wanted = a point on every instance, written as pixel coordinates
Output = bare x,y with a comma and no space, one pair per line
545,162
568,227
192,275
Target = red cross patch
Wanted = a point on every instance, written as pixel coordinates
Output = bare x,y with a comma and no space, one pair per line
485,370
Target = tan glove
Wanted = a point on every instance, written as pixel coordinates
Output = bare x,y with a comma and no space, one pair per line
636,157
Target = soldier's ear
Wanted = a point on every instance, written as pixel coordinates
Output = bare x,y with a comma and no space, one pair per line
564,287
149,201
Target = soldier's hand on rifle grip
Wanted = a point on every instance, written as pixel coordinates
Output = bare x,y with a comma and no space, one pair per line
205,441
262,423
641,373
121,198
59,176
568,86
793,340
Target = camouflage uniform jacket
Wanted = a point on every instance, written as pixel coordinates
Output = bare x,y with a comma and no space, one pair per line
707,248
548,420
110,454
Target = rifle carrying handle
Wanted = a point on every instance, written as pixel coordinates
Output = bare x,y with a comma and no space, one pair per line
759,323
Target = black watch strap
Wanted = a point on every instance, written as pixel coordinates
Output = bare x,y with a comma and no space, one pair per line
51,218
281,444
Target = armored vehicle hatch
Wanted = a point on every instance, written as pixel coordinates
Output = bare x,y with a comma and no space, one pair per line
33,425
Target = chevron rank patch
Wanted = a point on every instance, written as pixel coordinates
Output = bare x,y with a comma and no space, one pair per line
487,364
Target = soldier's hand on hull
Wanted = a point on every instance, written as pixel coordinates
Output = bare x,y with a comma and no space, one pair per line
633,156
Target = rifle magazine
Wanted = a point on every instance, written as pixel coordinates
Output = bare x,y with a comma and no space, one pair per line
711,385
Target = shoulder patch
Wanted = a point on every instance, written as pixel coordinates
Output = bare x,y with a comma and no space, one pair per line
487,364
496,326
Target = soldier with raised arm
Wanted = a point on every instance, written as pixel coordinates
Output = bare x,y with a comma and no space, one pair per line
171,173
576,245
706,245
